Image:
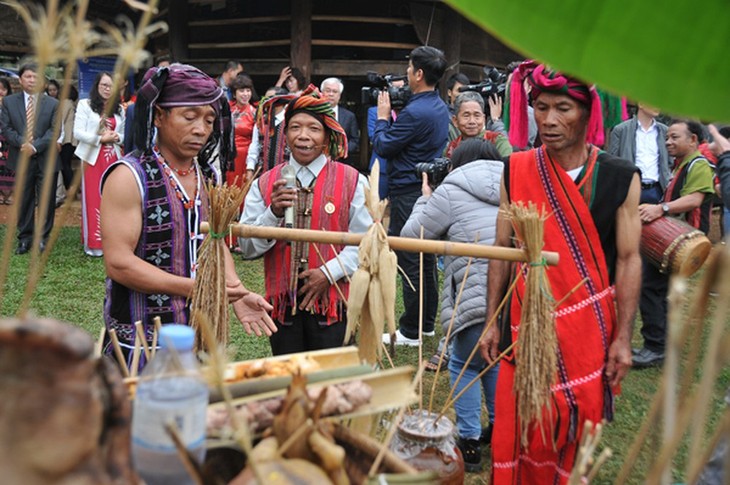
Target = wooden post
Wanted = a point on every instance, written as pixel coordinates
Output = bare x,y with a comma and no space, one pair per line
301,37
452,45
177,19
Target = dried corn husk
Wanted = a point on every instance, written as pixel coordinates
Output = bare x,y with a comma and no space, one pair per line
372,289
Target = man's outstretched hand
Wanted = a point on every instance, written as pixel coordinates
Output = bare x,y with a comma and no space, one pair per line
253,312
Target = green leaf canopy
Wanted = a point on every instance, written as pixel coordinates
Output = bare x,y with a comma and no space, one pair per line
672,54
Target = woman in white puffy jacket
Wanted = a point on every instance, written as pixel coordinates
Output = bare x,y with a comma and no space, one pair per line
100,140
464,209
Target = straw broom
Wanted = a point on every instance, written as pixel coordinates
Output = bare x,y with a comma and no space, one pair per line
537,341
209,296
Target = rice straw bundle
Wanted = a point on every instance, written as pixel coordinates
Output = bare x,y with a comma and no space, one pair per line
209,293
537,342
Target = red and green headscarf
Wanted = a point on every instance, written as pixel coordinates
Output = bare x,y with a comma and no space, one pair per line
311,103
543,79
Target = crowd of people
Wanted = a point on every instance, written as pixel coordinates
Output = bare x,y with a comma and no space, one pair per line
145,164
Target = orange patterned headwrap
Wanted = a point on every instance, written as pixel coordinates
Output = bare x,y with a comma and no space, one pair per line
313,104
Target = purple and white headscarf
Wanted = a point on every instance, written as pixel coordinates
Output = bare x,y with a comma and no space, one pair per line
180,85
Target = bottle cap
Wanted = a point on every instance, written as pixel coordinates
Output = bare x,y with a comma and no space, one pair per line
178,337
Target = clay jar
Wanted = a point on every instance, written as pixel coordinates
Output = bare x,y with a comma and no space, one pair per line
429,448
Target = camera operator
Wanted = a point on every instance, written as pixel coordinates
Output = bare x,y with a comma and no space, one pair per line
469,120
418,135
398,84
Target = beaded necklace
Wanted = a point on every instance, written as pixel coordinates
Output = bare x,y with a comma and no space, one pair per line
191,206
183,173
187,203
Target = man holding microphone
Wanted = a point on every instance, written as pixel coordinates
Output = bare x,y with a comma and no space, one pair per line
311,191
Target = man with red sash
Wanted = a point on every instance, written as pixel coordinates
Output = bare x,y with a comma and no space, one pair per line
594,225
306,283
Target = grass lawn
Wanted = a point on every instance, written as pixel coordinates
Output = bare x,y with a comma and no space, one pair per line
72,289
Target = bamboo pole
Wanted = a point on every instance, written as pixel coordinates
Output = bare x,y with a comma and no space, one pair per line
420,324
395,243
448,335
677,290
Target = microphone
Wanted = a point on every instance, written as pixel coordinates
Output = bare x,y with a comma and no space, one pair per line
290,175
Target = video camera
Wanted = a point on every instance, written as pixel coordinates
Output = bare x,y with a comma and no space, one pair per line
399,96
436,170
495,83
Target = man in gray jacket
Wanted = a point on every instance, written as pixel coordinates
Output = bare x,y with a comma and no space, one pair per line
642,141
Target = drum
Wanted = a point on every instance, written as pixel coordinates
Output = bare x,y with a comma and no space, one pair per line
674,246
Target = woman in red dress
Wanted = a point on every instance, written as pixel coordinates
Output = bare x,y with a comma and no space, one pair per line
99,128
243,114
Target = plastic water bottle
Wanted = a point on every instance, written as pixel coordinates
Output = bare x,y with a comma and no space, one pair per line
170,389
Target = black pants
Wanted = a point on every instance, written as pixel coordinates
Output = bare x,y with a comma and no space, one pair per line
67,173
654,287
305,331
31,193
401,207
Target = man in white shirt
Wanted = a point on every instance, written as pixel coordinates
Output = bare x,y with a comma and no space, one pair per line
308,309
332,89
642,141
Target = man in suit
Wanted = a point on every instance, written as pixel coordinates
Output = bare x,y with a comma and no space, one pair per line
332,88
19,110
641,140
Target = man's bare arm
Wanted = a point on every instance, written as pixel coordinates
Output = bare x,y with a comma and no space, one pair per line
628,282
497,279
121,226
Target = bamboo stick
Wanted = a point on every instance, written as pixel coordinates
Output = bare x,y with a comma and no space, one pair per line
387,355
157,322
471,383
118,352
484,332
448,334
339,261
135,356
567,295
329,273
420,324
395,243
713,356
191,466
698,312
99,346
677,289
143,339
602,458
721,432
641,436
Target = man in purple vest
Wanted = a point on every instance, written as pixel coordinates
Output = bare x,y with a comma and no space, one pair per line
154,200
300,277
